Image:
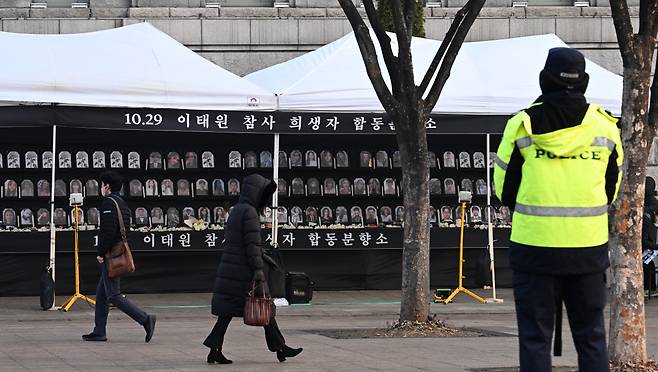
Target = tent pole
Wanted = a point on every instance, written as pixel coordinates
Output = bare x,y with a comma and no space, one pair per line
52,203
275,197
492,261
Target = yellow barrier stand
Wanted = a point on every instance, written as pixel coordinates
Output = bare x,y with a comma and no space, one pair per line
66,306
461,288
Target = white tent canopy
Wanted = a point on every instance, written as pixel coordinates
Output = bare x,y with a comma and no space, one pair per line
489,77
132,66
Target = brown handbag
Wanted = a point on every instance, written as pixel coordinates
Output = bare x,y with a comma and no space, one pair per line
257,310
119,258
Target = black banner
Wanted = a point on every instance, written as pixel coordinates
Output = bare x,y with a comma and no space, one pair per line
236,121
289,239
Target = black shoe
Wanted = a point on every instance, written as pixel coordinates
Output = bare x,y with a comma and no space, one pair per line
94,337
149,327
287,352
216,356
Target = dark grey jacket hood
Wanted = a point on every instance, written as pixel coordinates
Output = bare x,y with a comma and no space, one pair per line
257,191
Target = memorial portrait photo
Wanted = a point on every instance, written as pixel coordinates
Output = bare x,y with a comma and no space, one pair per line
173,160
311,159
218,187
151,187
191,160
135,188
167,187
233,187
356,216
46,160
329,186
201,187
64,159
43,188
14,160
31,160
344,187
157,216
141,216
98,159
11,189
250,160
43,217
9,217
265,159
207,160
326,159
296,215
93,217
134,160
342,160
313,186
155,160
296,158
60,188
235,159
116,159
27,219
183,187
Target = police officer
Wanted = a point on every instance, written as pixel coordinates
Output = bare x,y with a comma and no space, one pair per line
558,169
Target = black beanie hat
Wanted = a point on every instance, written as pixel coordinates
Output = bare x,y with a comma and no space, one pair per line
564,70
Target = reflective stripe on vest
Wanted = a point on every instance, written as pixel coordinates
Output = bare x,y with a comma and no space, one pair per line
500,162
561,211
524,142
604,142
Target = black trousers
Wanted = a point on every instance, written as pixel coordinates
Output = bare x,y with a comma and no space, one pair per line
536,297
273,336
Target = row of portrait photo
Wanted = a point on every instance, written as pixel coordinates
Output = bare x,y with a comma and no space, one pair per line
236,159
297,216
217,187
367,159
99,160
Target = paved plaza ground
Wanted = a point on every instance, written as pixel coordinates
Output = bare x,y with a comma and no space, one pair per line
31,339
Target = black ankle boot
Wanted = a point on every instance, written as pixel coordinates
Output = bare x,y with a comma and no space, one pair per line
216,356
287,352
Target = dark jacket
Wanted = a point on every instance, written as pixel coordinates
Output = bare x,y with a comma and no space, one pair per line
559,110
243,254
649,215
110,233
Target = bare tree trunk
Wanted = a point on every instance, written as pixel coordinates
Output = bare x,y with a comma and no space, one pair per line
415,296
627,320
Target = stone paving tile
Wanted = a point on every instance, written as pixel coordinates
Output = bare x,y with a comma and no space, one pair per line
53,338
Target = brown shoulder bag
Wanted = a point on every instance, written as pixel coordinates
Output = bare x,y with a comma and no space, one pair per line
119,258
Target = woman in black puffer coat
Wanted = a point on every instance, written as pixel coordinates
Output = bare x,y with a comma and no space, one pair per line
242,265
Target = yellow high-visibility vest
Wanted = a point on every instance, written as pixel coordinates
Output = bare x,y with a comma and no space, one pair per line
561,201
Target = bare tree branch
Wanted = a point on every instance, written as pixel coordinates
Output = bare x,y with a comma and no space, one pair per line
404,35
648,18
442,50
624,29
473,9
369,55
410,16
390,59
653,103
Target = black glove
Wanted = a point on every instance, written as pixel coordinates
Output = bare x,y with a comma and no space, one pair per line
259,276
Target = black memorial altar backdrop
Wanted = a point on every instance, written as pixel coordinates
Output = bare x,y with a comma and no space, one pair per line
186,260
332,259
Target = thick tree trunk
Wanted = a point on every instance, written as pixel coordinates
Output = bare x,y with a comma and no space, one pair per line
415,305
627,320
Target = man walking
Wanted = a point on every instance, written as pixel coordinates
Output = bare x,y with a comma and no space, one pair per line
109,290
558,169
